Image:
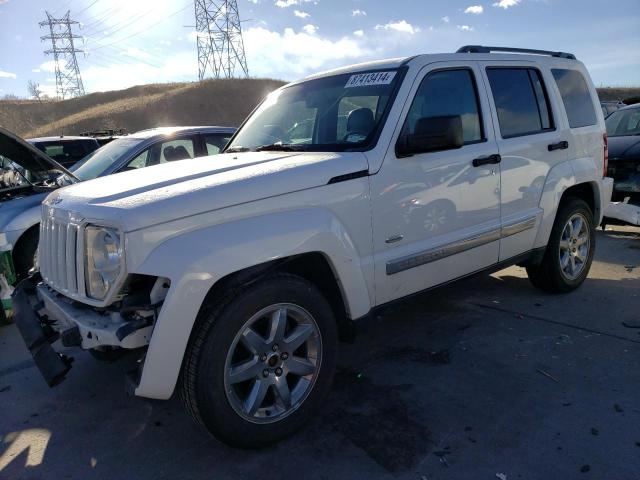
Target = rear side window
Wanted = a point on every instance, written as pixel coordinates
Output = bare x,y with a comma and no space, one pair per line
444,93
521,101
576,97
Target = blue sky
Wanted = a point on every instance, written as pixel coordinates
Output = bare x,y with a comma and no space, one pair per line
130,42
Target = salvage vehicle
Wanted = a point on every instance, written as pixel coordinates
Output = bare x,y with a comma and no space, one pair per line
20,209
234,277
65,150
27,176
623,130
608,107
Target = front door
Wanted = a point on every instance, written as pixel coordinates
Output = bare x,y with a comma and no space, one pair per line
436,216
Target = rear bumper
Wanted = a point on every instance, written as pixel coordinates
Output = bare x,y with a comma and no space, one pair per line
38,338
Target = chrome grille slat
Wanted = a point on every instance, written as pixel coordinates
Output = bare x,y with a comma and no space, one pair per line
58,253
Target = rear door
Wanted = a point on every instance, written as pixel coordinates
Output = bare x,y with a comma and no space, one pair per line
531,141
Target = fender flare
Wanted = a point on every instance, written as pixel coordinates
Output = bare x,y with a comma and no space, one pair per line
196,260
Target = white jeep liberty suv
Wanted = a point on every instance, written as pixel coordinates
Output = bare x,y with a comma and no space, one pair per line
339,194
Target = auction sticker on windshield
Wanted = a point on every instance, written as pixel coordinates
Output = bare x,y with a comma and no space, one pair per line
368,79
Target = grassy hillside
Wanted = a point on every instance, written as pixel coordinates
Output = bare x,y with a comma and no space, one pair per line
212,102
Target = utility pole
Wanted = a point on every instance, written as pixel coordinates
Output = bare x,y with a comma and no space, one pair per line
219,38
68,80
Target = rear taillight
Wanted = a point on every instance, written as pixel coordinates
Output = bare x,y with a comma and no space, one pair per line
605,162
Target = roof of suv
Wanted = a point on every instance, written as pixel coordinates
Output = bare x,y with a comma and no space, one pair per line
468,52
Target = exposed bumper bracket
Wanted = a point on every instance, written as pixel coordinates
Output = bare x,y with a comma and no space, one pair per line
52,365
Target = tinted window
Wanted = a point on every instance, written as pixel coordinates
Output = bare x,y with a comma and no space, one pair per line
576,97
216,142
521,101
179,149
447,92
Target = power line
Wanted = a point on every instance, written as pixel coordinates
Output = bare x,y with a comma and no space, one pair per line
68,79
146,29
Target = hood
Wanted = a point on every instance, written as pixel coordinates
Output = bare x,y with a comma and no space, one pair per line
158,194
26,155
624,146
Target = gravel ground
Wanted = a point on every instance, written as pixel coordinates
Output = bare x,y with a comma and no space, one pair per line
483,378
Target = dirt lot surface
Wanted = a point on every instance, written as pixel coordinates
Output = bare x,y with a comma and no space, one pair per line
484,377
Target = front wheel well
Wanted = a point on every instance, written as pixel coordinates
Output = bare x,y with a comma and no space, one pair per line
313,267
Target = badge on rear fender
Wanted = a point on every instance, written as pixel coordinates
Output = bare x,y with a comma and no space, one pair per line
369,79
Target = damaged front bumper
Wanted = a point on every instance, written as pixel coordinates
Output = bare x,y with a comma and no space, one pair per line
44,316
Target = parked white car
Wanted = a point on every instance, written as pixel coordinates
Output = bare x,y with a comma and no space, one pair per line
235,276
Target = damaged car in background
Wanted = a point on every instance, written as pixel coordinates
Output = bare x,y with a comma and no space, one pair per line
623,130
27,176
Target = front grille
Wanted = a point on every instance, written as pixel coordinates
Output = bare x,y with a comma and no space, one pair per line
57,253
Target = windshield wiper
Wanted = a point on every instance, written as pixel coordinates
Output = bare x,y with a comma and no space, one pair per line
280,147
237,149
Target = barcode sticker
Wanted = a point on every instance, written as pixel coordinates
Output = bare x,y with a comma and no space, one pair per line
369,79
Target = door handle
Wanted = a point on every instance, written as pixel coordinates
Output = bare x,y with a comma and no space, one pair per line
563,145
488,160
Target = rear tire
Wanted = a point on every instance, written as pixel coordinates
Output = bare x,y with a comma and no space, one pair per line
254,333
570,250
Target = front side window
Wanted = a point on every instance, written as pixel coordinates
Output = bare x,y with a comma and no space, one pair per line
576,97
215,142
445,93
336,113
521,101
624,122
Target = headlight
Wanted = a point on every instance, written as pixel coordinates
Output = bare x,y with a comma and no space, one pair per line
103,256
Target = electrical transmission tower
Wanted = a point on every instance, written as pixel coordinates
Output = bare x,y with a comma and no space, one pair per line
219,37
68,80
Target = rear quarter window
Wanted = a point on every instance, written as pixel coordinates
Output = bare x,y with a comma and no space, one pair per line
576,97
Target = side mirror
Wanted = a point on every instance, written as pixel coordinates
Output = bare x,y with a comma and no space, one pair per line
432,134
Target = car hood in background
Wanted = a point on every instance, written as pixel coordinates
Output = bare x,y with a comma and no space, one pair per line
158,194
624,146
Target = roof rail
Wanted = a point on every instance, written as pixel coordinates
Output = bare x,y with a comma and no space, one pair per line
483,49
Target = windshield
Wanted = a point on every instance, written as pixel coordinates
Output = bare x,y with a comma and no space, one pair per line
337,113
623,122
96,163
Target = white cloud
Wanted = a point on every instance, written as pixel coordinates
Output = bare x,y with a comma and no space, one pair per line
506,3
255,2
475,9
446,19
288,3
4,74
310,29
359,33
300,14
358,13
465,28
399,26
293,54
48,66
165,42
35,70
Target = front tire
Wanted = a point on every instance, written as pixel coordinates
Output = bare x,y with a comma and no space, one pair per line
259,363
570,250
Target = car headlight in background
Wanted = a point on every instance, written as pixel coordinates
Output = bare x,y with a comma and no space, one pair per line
103,256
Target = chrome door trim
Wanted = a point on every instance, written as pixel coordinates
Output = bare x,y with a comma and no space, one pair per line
519,226
427,256
421,258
